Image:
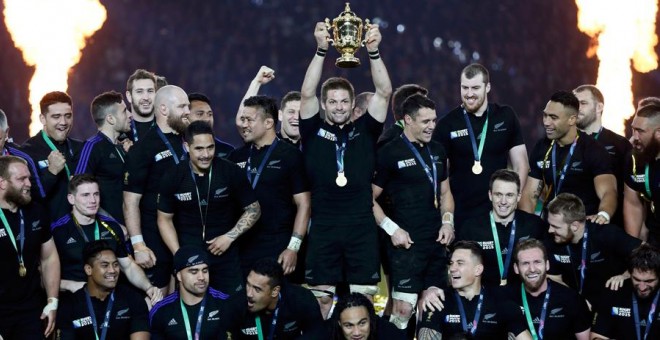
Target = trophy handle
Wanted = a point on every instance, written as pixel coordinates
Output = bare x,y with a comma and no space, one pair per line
328,27
363,43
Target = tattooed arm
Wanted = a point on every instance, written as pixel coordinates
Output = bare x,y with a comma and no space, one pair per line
530,195
220,244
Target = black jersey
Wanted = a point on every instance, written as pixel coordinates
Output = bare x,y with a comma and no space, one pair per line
105,160
479,229
220,203
298,313
55,186
502,134
607,249
567,312
636,179
70,243
22,293
140,129
383,330
128,315
37,192
283,176
411,193
147,162
497,318
332,204
616,319
293,143
589,160
388,135
222,149
167,323
618,148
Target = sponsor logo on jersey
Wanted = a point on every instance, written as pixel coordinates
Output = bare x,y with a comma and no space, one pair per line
327,135
172,322
220,192
556,312
458,133
594,257
273,162
290,326
184,197
82,322
249,331
123,314
352,135
71,240
452,318
620,311
162,155
562,258
36,225
192,258
543,164
213,315
499,127
43,164
3,232
112,156
485,245
576,165
638,178
406,163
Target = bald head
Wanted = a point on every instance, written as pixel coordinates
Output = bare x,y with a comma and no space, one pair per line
172,108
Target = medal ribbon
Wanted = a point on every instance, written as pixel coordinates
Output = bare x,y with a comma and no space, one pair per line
97,236
477,313
650,317
340,150
21,234
583,261
528,313
254,180
271,332
504,268
186,321
567,162
106,321
433,178
473,140
53,148
169,146
199,199
597,134
646,178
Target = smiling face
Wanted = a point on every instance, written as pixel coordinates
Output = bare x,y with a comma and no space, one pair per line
290,116
504,197
557,120
57,121
104,271
645,283
463,269
532,268
200,110
17,185
420,128
201,152
338,107
86,200
142,96
355,323
474,93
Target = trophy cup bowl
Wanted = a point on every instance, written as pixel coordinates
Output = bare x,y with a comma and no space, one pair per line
347,30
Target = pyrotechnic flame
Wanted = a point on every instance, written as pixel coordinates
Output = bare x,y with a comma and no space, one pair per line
621,31
51,35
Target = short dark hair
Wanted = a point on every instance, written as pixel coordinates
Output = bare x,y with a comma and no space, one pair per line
200,97
337,83
568,205
138,75
51,98
101,104
291,96
93,249
6,161
649,111
78,180
530,243
595,92
568,99
505,175
474,69
645,258
349,301
161,81
412,105
361,100
401,93
472,246
648,101
267,104
198,127
269,267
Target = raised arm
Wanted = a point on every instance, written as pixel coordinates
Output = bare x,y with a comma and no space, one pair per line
264,76
309,103
379,102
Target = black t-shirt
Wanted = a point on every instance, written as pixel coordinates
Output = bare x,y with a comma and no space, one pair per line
567,312
22,293
147,162
498,316
636,179
283,176
608,247
105,160
167,323
129,315
502,134
222,149
589,160
228,194
37,192
615,318
298,314
55,186
332,204
402,176
388,135
70,243
140,129
618,147
479,229
291,142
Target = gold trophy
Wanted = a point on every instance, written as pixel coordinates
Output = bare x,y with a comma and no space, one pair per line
347,36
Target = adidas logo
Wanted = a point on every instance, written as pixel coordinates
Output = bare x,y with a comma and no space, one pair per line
172,323
112,156
71,240
375,276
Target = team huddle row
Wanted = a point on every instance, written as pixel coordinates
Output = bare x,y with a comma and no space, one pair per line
481,238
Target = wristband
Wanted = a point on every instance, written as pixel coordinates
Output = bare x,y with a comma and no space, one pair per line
374,55
321,52
51,306
449,220
136,239
389,226
604,215
294,244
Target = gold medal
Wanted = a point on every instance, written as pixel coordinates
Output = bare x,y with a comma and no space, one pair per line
341,179
476,168
652,207
21,270
435,201
503,282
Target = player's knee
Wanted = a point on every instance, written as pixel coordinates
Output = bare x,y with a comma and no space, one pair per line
403,308
369,290
323,294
